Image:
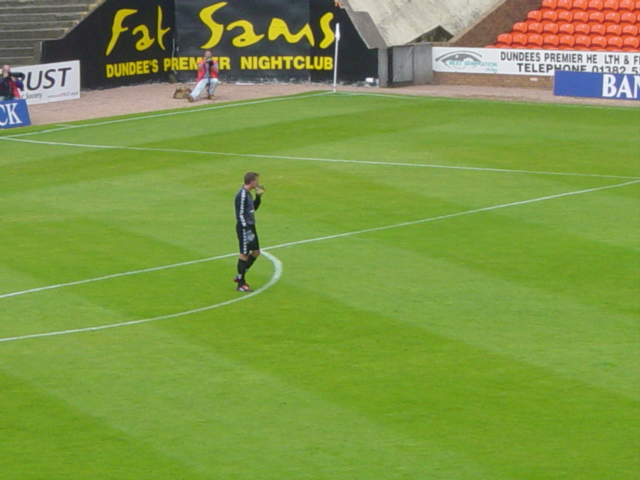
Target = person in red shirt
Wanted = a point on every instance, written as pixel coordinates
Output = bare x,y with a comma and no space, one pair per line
207,77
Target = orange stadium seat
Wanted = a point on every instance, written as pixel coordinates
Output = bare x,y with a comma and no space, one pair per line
582,42
565,16
563,5
598,43
628,18
582,29
548,5
630,44
613,31
611,18
566,29
519,27
626,6
629,31
550,16
637,9
610,6
534,41
579,5
596,17
550,28
534,28
614,44
597,30
580,17
595,6
534,16
566,42
519,40
550,41
504,40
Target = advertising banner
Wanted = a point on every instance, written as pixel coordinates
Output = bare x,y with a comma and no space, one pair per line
597,85
14,113
281,39
122,42
504,61
52,82
128,42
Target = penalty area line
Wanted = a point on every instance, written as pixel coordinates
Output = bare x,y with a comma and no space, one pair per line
317,239
453,215
277,273
277,264
314,159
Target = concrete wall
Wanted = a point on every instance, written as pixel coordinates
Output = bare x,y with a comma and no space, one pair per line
509,81
398,22
497,20
405,65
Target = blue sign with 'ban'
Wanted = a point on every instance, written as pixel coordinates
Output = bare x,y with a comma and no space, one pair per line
14,113
597,85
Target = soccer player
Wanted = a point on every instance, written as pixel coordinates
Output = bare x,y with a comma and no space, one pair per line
246,206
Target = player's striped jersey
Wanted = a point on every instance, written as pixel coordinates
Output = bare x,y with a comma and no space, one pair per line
245,207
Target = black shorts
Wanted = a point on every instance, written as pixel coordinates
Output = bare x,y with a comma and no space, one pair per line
247,239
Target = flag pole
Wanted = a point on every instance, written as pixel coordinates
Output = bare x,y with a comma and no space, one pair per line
335,58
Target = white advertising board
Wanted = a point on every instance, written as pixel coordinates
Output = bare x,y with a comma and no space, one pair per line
507,61
51,82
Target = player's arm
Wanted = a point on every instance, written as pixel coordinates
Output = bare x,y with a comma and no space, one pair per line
258,200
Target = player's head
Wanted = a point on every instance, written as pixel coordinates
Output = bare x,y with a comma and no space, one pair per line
251,179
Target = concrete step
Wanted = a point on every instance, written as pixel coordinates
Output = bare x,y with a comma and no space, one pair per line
38,34
24,24
50,3
18,61
6,43
11,27
8,18
20,51
44,9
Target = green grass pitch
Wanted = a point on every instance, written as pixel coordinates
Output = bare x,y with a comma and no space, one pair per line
450,291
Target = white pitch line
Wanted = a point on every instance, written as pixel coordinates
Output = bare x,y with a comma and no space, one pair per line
277,264
277,273
442,98
171,113
313,159
115,275
452,215
319,239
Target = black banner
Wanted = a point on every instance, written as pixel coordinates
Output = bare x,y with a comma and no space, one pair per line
126,42
281,39
356,62
122,42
